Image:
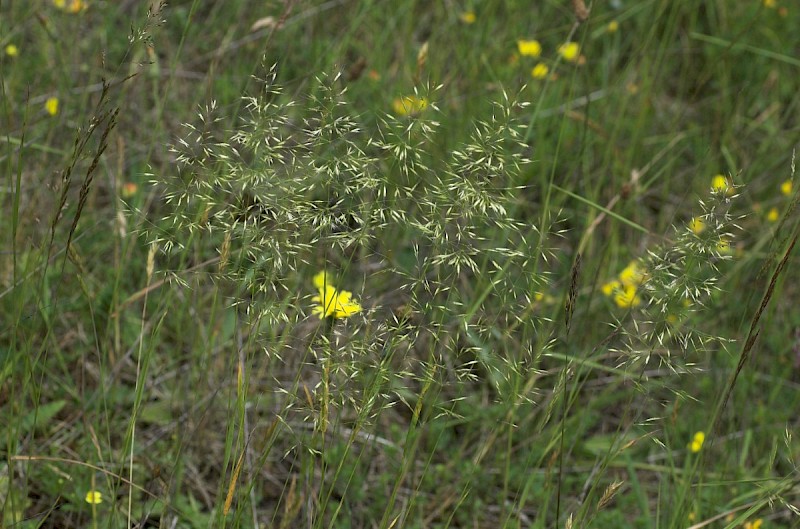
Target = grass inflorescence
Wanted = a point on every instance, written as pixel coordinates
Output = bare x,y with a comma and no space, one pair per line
427,265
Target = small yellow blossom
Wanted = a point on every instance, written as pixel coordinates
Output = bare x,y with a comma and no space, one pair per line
755,524
691,517
332,302
71,6
724,247
129,189
773,215
697,225
409,105
468,17
321,280
720,184
786,188
697,442
529,48
633,275
626,297
613,26
12,50
540,71
538,296
76,6
770,3
51,105
94,497
611,287
570,51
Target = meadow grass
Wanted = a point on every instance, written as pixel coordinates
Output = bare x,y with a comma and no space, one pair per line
558,285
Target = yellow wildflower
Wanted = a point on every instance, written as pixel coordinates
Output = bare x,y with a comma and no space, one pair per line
626,297
51,105
755,524
468,17
529,48
786,188
697,225
770,3
409,105
12,50
720,184
538,296
611,287
129,189
697,442
773,215
333,302
613,26
94,497
540,71
633,275
73,6
724,246
570,51
76,6
321,280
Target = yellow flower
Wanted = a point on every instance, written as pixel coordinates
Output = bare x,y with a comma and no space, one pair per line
724,246
697,225
756,524
626,297
94,497
540,71
633,275
538,296
74,6
570,51
51,105
530,48
409,105
12,50
129,189
773,215
332,302
613,26
468,17
770,3
786,188
697,442
321,280
611,287
720,184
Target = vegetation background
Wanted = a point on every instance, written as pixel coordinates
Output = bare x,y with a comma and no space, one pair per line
560,239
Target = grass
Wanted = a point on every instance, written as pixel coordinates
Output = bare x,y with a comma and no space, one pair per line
161,232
